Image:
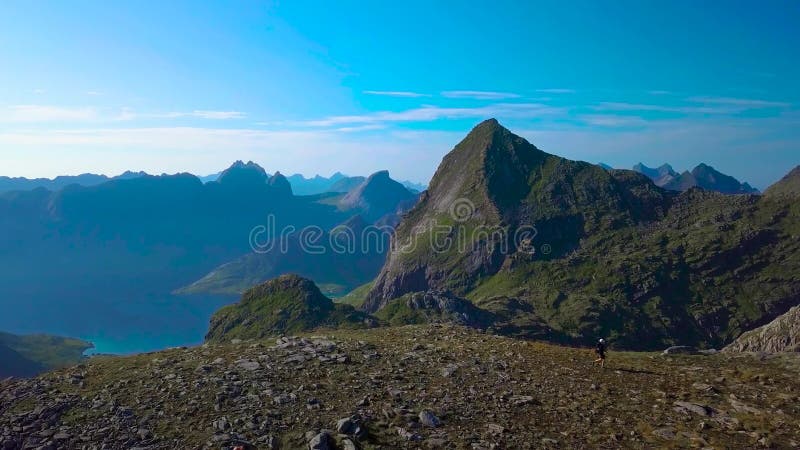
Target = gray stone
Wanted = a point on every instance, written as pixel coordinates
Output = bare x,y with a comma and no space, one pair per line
322,441
429,419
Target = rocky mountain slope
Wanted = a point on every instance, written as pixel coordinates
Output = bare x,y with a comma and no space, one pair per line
780,335
404,387
569,247
788,186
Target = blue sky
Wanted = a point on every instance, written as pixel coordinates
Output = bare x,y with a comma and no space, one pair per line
316,87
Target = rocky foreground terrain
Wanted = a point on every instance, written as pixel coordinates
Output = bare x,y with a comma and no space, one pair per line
427,386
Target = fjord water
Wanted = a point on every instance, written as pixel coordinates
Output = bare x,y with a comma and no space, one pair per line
117,325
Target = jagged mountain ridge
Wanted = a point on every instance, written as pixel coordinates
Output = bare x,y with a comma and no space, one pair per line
702,176
87,179
624,259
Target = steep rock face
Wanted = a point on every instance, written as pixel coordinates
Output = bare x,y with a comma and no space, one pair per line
287,304
788,186
780,335
435,307
510,192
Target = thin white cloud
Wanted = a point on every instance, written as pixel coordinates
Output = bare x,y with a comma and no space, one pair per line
432,113
38,91
44,113
659,92
602,120
742,102
623,106
217,115
50,113
407,94
556,91
480,95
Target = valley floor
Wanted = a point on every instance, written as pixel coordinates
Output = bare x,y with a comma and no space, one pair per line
406,387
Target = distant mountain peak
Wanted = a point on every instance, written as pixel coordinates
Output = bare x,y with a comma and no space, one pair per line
243,173
375,194
280,184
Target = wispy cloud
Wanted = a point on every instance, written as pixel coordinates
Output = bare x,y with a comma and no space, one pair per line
217,115
556,91
659,92
43,113
742,102
407,94
684,109
50,113
432,113
479,95
602,120
38,91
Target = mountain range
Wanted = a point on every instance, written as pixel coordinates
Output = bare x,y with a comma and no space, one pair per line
702,176
86,179
344,257
114,252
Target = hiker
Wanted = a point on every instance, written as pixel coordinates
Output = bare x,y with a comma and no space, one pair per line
601,353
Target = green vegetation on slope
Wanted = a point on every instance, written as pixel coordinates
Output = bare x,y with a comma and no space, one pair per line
357,296
287,304
26,355
616,256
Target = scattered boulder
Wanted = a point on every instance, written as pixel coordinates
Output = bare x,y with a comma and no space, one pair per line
427,418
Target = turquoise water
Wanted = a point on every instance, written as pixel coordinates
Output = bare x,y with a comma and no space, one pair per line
161,323
117,325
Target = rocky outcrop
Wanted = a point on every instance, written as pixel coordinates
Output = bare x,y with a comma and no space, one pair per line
780,335
442,306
